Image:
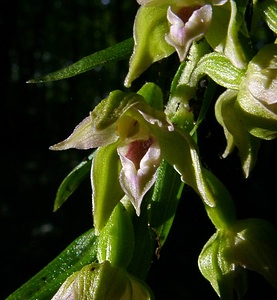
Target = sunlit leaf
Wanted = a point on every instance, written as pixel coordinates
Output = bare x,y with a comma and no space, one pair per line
114,53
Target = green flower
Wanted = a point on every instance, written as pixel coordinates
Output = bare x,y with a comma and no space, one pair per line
127,122
247,110
131,133
164,26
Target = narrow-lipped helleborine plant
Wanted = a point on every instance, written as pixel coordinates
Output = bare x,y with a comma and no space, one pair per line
147,149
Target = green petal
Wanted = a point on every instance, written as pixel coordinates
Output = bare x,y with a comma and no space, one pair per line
98,129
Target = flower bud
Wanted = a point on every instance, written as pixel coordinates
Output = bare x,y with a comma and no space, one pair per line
247,244
257,97
116,241
102,282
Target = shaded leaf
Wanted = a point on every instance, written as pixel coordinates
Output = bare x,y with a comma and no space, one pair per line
72,181
44,284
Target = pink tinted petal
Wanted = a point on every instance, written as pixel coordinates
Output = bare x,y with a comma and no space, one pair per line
182,34
139,166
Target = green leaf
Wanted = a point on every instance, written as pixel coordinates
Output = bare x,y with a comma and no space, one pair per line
114,53
72,181
164,202
44,284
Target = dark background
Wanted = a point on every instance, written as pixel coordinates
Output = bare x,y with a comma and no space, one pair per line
38,37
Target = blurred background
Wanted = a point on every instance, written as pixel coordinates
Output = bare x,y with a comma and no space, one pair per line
38,37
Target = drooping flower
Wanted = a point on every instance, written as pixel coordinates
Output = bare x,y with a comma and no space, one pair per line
161,24
131,133
188,25
124,119
248,244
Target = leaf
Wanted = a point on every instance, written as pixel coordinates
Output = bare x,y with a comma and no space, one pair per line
45,283
72,181
164,202
114,53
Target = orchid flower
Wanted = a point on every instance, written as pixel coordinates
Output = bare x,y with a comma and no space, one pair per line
164,26
130,131
123,119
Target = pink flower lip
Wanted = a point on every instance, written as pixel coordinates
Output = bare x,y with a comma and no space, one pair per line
137,150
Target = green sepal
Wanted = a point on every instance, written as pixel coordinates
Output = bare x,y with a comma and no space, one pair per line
217,32
186,162
228,34
220,69
116,240
104,175
44,284
114,53
238,46
150,28
72,181
235,132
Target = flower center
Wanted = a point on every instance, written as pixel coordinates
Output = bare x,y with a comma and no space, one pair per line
185,12
137,149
